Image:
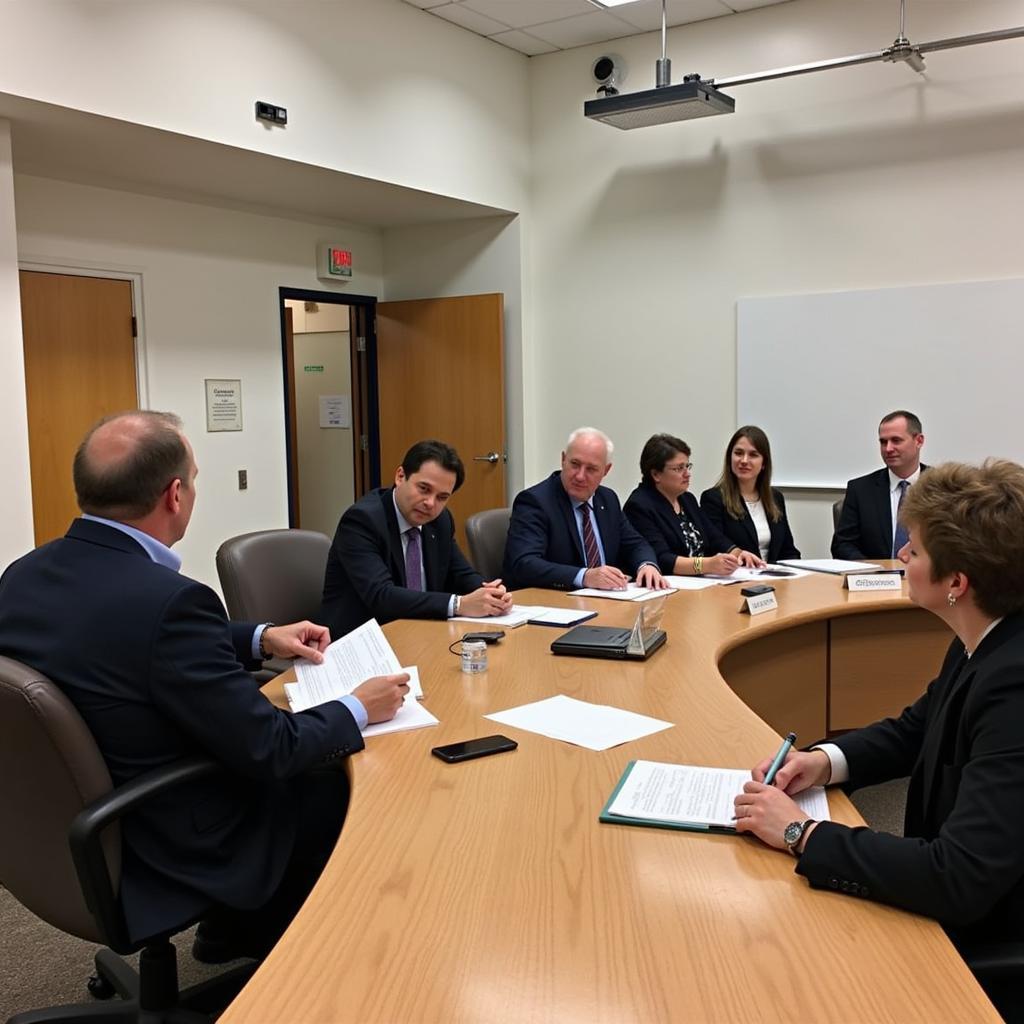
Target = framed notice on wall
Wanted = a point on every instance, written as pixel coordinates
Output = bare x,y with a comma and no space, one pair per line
223,405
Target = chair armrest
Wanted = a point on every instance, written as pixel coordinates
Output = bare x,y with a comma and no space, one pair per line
86,838
998,960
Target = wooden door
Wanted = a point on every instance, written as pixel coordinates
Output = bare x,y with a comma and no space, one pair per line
79,365
441,375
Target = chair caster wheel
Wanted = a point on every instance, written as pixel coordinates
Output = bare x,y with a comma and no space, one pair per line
99,987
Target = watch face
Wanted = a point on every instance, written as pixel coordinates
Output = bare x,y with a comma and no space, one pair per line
794,830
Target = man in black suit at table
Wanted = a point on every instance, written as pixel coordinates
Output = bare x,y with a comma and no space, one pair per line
395,556
568,531
157,672
868,525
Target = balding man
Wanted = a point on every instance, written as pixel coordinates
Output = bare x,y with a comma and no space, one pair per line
568,531
149,659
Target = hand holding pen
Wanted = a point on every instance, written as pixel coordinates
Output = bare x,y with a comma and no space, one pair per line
793,771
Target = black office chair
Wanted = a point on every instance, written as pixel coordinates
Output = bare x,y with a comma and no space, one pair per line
61,856
837,511
273,576
486,533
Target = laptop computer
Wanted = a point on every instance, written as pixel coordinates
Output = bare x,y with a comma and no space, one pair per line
636,643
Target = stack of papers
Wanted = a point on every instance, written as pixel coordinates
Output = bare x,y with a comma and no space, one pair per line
837,566
594,726
689,797
533,613
633,592
356,657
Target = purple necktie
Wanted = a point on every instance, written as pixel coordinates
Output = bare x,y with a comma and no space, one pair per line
900,536
413,574
590,548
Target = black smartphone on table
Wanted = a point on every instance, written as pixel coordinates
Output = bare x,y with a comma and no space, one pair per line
489,636
452,753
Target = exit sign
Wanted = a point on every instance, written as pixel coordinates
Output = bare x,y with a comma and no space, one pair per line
335,263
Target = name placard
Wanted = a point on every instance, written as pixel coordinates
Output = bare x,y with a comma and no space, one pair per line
874,582
759,603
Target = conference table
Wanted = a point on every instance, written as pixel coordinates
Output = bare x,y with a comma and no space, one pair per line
489,891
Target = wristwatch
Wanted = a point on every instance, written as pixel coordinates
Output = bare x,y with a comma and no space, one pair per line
794,832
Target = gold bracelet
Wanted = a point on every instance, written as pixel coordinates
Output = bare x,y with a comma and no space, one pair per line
698,565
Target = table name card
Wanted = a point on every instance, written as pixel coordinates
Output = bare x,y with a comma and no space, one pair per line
874,581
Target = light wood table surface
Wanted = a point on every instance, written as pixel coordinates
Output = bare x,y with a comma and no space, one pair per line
488,891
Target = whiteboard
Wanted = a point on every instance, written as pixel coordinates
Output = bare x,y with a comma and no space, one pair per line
817,373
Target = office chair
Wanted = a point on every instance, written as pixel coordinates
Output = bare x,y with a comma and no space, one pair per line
837,511
62,856
486,533
273,576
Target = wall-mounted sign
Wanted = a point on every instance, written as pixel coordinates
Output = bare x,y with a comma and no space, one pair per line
223,405
313,368
334,263
335,411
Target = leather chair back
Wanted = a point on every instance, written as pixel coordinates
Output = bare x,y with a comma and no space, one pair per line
273,575
486,533
837,511
50,770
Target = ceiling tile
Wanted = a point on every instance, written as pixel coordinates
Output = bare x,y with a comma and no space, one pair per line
520,13
426,3
468,18
523,42
749,5
647,14
581,30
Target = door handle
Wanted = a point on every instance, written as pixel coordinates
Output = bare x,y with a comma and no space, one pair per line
491,457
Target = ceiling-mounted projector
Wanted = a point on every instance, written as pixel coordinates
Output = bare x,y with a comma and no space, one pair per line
662,105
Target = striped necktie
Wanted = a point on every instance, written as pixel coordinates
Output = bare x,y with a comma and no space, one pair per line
900,536
590,547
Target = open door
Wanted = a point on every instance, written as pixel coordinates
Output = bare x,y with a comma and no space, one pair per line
441,374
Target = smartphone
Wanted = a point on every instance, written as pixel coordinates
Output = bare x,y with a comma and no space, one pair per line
467,750
757,590
491,636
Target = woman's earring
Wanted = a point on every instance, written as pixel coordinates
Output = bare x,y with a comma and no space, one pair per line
951,600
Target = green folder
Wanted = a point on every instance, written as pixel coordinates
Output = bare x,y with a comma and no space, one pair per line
682,826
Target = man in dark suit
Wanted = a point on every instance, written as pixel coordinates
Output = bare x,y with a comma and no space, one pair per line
157,672
568,531
395,556
868,524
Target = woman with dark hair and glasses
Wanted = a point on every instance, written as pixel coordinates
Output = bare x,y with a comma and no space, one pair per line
960,859
743,504
667,516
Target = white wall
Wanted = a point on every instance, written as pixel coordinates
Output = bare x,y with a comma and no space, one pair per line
373,87
642,241
470,257
210,280
16,531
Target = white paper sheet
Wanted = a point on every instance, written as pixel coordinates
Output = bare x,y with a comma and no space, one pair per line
633,592
832,565
594,726
695,794
517,617
558,616
411,715
356,657
692,582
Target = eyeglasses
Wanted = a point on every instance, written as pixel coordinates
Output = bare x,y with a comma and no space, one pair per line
682,467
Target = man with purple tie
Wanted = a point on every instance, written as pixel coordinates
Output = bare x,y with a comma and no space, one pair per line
394,554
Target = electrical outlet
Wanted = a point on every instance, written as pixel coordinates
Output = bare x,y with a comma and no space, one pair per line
243,479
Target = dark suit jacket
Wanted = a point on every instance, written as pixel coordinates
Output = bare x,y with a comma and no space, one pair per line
544,548
148,658
652,515
743,533
962,744
365,577
865,524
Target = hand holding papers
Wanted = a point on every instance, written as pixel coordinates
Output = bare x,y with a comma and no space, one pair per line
350,662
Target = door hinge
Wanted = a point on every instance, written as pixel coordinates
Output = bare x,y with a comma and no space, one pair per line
364,443
360,344
135,327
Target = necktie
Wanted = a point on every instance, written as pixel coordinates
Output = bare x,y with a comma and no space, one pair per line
900,537
590,548
413,572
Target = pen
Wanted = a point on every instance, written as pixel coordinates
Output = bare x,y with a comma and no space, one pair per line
787,746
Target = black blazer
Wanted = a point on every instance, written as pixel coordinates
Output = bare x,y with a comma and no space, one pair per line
962,744
148,658
544,548
743,533
365,576
652,515
865,524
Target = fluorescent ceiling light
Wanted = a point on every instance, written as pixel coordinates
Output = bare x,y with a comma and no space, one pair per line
612,3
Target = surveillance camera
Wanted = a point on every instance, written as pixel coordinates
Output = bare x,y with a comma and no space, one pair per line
609,72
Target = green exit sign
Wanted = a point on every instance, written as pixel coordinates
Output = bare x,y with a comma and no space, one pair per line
314,369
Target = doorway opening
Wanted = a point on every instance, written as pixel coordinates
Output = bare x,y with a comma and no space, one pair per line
330,396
